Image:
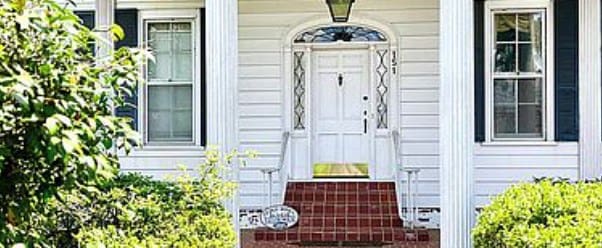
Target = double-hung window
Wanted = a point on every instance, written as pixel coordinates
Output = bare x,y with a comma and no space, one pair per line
171,82
517,82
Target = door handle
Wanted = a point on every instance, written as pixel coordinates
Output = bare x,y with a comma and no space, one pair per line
365,126
365,122
340,80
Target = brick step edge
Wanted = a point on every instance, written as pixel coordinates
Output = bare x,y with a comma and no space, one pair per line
393,234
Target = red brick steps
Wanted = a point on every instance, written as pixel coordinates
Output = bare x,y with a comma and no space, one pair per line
343,212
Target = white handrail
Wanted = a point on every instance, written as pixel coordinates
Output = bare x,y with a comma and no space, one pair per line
397,169
412,179
279,168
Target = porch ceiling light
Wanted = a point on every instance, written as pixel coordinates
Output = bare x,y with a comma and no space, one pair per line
340,9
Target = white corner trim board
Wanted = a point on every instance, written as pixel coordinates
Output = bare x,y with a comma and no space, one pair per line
589,89
456,122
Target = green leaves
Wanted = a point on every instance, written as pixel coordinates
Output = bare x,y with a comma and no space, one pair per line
541,215
57,131
137,211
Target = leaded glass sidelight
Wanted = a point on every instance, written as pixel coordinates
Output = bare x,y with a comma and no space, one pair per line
299,89
340,33
382,89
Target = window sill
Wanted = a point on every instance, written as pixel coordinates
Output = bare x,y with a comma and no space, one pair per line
518,143
166,151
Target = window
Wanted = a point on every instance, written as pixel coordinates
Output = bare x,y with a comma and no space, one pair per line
171,82
518,84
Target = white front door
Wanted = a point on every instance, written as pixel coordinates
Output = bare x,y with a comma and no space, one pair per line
341,107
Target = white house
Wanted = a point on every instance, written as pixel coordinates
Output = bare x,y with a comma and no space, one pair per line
484,94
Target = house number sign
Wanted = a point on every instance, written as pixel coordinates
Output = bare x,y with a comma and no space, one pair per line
279,217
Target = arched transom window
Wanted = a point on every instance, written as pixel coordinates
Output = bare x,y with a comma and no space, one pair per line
340,33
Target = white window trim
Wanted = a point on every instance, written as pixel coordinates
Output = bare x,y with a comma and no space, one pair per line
492,7
193,15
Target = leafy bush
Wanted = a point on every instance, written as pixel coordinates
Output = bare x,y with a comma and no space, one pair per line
544,214
57,130
137,211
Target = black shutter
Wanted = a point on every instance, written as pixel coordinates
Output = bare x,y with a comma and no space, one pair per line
566,75
127,19
87,18
479,70
203,79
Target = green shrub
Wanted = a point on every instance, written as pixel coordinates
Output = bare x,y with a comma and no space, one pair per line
544,214
57,130
138,211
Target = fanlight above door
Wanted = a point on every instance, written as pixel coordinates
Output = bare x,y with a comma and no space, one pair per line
340,33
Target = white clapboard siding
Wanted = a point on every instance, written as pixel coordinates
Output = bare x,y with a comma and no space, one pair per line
262,27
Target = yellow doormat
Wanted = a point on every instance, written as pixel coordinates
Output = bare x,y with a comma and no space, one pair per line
341,170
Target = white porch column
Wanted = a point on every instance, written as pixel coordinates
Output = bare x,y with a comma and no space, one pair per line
589,89
104,18
456,108
222,78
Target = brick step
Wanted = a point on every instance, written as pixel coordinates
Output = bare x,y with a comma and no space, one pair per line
342,235
347,215
344,207
342,198
342,191
346,222
341,186
343,212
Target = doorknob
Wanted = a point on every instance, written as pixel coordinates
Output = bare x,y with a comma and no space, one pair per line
365,121
340,79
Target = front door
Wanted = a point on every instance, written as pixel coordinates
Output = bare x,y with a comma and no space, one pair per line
341,108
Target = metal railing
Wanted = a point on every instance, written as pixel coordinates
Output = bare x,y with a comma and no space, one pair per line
411,213
268,173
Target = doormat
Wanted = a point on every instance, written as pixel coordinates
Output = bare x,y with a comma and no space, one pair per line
341,170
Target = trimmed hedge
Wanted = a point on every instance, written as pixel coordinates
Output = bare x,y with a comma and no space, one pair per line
543,214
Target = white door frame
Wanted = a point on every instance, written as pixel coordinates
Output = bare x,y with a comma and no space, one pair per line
299,158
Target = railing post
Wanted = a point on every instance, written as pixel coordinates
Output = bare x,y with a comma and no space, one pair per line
270,181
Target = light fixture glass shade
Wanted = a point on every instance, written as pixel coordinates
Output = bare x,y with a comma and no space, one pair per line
340,9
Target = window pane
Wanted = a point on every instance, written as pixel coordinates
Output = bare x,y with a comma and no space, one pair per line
529,121
159,41
182,124
529,27
505,107
183,67
170,113
505,58
505,25
182,26
530,91
530,59
155,27
504,92
159,69
505,121
172,46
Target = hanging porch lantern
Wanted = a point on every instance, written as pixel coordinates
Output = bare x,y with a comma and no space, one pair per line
340,9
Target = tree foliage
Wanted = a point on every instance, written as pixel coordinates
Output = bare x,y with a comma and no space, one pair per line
57,129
